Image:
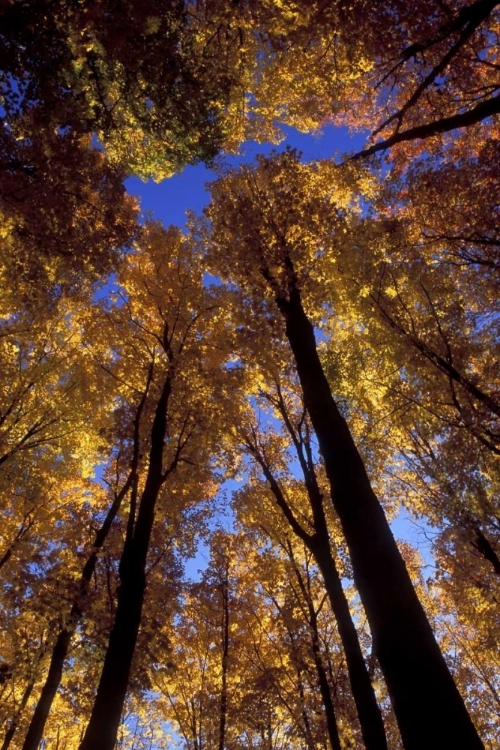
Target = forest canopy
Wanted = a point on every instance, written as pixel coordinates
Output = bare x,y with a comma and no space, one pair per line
309,361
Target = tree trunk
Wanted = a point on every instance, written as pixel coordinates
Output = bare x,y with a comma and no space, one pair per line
9,734
308,738
108,706
487,108
63,642
428,707
483,545
370,717
324,685
225,658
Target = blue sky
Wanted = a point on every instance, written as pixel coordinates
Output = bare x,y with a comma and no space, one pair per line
170,199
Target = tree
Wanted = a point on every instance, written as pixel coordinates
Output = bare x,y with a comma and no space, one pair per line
257,216
65,218
197,683
317,539
63,641
138,76
443,75
415,72
165,314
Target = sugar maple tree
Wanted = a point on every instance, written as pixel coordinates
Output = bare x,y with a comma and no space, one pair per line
265,657
134,74
166,310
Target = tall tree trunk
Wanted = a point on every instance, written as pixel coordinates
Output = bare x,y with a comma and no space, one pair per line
225,657
108,706
308,737
428,707
324,686
63,641
9,734
370,717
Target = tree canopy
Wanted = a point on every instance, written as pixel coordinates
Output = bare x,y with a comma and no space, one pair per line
275,388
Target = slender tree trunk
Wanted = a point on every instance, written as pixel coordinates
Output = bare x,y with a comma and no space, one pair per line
26,525
443,364
225,658
487,108
9,734
63,641
428,707
108,706
370,717
308,737
372,726
324,686
483,545
6,556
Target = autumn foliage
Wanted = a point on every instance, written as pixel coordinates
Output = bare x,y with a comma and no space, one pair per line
272,394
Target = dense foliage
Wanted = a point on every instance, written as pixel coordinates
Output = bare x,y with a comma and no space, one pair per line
315,357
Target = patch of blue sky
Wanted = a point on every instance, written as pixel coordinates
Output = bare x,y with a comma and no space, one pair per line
109,292
417,533
171,199
224,519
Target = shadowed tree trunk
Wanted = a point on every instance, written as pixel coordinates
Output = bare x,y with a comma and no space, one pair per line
482,544
63,641
480,112
25,527
324,686
428,707
108,706
9,734
370,718
224,589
